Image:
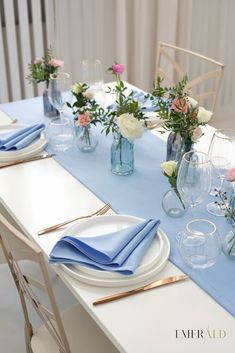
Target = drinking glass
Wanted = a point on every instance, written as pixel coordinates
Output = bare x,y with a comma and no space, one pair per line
199,244
92,75
194,177
60,130
222,155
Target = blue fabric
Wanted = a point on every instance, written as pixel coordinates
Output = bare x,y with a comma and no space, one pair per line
20,138
139,194
120,251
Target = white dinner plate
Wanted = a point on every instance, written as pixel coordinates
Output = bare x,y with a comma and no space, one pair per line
151,264
35,147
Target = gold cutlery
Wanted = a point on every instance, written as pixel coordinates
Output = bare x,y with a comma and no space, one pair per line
155,284
100,212
20,161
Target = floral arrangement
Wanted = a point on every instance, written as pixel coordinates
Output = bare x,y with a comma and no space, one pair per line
180,112
41,68
85,109
228,205
170,170
125,117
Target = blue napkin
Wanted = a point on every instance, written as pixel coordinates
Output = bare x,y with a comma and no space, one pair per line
21,138
121,251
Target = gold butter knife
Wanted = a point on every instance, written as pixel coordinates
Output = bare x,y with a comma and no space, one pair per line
149,286
20,161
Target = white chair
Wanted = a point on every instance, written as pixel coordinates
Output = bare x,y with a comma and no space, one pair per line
72,331
174,62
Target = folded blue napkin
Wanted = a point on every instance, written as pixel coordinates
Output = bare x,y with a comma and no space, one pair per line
20,138
121,251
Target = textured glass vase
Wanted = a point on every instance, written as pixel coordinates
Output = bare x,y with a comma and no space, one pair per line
176,147
229,244
173,205
122,155
87,139
48,108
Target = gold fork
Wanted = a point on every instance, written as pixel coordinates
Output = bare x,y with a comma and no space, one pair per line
100,212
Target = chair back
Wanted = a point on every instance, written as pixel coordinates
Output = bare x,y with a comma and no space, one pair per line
205,74
17,247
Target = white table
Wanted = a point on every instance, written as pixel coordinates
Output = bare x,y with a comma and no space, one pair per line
42,193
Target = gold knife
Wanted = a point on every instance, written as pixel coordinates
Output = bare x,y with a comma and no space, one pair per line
155,284
20,161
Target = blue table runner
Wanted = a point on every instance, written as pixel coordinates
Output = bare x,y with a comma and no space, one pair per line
139,195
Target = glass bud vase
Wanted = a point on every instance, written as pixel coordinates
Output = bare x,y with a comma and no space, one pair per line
48,108
86,140
122,155
173,205
176,147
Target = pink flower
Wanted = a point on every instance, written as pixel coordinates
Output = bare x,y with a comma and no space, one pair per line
84,119
230,175
37,61
56,63
88,94
118,68
180,105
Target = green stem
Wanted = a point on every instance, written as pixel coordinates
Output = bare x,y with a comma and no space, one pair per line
178,194
230,248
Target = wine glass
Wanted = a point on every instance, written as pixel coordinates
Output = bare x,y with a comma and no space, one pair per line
194,177
222,155
60,90
60,130
92,75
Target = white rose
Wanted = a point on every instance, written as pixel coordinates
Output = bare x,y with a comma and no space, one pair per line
192,102
197,133
129,126
203,115
169,167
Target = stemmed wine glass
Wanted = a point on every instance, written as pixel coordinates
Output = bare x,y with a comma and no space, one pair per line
194,177
222,155
61,133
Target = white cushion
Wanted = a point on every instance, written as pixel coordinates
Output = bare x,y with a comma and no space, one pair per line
84,336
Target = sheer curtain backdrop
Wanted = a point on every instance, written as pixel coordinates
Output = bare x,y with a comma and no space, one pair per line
127,31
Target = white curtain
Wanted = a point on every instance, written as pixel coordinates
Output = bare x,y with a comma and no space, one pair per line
128,31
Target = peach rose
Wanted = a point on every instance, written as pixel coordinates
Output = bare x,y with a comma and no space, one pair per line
180,105
84,119
230,175
88,94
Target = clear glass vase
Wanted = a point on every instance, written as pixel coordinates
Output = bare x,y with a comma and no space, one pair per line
122,155
173,205
87,139
176,147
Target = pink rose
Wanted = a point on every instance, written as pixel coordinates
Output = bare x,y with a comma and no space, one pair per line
37,61
84,119
180,105
118,68
230,175
88,94
56,63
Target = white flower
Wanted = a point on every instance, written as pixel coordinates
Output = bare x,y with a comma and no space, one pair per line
192,102
197,133
77,88
129,126
203,115
169,167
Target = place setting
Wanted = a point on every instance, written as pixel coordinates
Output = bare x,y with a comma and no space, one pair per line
112,250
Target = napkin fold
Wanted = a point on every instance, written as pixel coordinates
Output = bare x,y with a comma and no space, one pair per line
120,251
20,138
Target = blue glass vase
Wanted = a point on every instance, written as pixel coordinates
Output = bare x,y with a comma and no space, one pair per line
122,155
176,147
48,108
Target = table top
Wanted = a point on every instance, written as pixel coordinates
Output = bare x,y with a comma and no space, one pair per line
156,320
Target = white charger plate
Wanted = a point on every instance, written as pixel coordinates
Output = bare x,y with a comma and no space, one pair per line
35,147
150,266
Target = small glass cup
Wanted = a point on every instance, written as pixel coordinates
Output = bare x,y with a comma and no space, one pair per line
199,244
60,134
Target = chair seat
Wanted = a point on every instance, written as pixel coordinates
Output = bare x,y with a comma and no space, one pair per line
84,336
